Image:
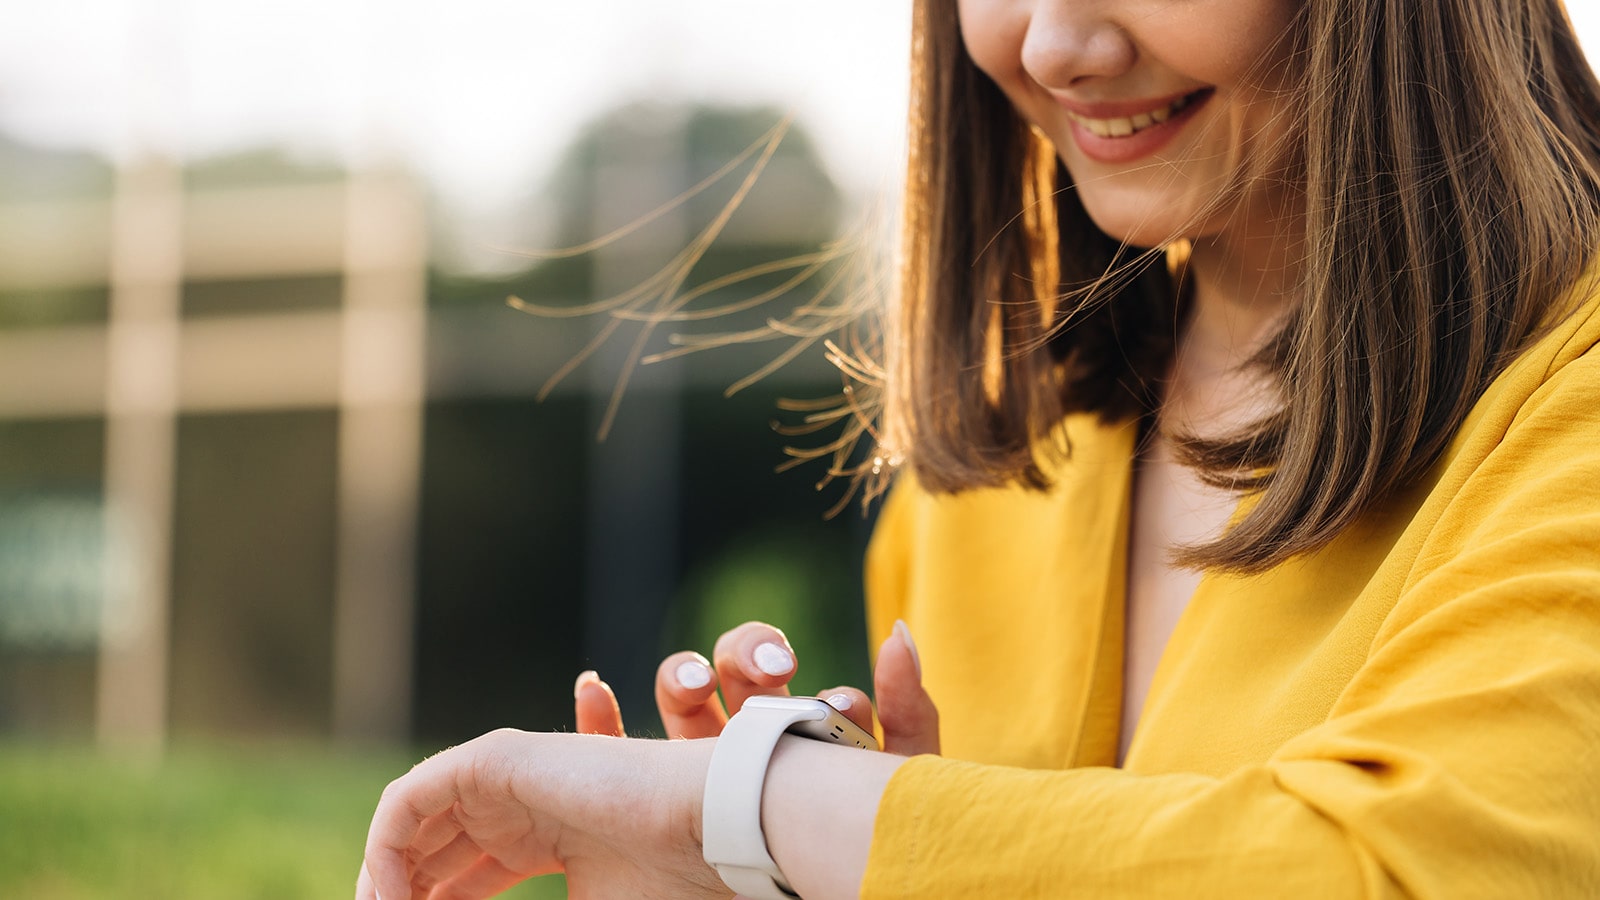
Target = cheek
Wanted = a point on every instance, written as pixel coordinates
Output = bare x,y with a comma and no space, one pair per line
993,38
1229,43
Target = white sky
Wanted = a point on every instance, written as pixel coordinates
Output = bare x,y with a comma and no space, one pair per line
480,95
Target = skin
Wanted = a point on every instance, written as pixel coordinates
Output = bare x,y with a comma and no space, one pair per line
621,816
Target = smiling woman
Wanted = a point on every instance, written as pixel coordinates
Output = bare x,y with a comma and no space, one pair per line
1244,376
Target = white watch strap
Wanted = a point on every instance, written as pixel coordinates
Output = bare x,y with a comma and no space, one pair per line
733,842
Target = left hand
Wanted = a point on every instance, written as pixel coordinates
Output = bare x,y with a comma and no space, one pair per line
620,817
909,718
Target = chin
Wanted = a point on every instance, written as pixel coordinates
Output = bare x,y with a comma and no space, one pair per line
1138,225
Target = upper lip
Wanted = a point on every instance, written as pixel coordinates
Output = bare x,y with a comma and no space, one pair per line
1120,109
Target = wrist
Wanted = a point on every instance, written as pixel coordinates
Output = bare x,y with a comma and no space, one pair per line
819,806
689,761
736,804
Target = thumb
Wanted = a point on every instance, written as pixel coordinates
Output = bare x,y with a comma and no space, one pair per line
910,720
596,706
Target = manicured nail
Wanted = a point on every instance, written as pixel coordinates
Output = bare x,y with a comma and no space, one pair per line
841,702
584,678
773,659
905,637
693,675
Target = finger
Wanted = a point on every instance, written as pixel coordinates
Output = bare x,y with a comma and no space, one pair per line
596,706
410,802
686,697
436,835
910,720
394,823
445,863
754,658
852,703
364,884
485,878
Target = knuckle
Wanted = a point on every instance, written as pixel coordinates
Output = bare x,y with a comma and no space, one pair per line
767,631
392,792
421,880
753,630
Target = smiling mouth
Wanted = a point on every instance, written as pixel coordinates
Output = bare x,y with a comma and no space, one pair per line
1132,125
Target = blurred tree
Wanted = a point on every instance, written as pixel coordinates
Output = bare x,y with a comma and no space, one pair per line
685,472
29,172
261,166
70,189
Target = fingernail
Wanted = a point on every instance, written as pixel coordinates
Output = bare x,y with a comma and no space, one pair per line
773,659
584,678
841,702
905,636
693,675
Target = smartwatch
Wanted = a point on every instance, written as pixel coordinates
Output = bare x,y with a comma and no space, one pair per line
733,842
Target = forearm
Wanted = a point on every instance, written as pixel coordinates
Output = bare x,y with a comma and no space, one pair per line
817,811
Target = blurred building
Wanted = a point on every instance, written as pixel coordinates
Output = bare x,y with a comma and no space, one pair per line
265,473
212,403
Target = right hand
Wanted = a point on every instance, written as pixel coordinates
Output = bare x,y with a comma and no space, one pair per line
621,818
755,658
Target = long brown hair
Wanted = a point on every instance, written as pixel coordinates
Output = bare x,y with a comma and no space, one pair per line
1451,160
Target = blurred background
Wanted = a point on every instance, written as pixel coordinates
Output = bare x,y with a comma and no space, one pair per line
281,509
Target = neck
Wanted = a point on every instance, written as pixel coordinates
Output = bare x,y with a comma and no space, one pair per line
1243,284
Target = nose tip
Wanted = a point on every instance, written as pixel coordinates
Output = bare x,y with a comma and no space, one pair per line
1067,50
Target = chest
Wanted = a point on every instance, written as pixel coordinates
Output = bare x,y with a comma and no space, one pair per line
1170,507
1016,598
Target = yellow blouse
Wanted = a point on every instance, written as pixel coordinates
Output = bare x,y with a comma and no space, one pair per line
1413,711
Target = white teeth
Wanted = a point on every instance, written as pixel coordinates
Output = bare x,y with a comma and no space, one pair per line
1128,126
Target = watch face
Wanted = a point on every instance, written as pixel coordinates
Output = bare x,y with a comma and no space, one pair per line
828,724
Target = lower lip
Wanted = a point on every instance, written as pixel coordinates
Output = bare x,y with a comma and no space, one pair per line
1139,144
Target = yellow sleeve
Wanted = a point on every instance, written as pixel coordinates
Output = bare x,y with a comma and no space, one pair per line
1462,760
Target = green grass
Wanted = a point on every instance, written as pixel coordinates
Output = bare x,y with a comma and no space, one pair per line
205,823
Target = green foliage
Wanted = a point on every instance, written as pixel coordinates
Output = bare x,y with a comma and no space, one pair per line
797,584
77,825
38,307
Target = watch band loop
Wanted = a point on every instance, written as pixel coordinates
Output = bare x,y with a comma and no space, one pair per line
733,840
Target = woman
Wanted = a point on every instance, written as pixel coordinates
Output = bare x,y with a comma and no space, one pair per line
1332,465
